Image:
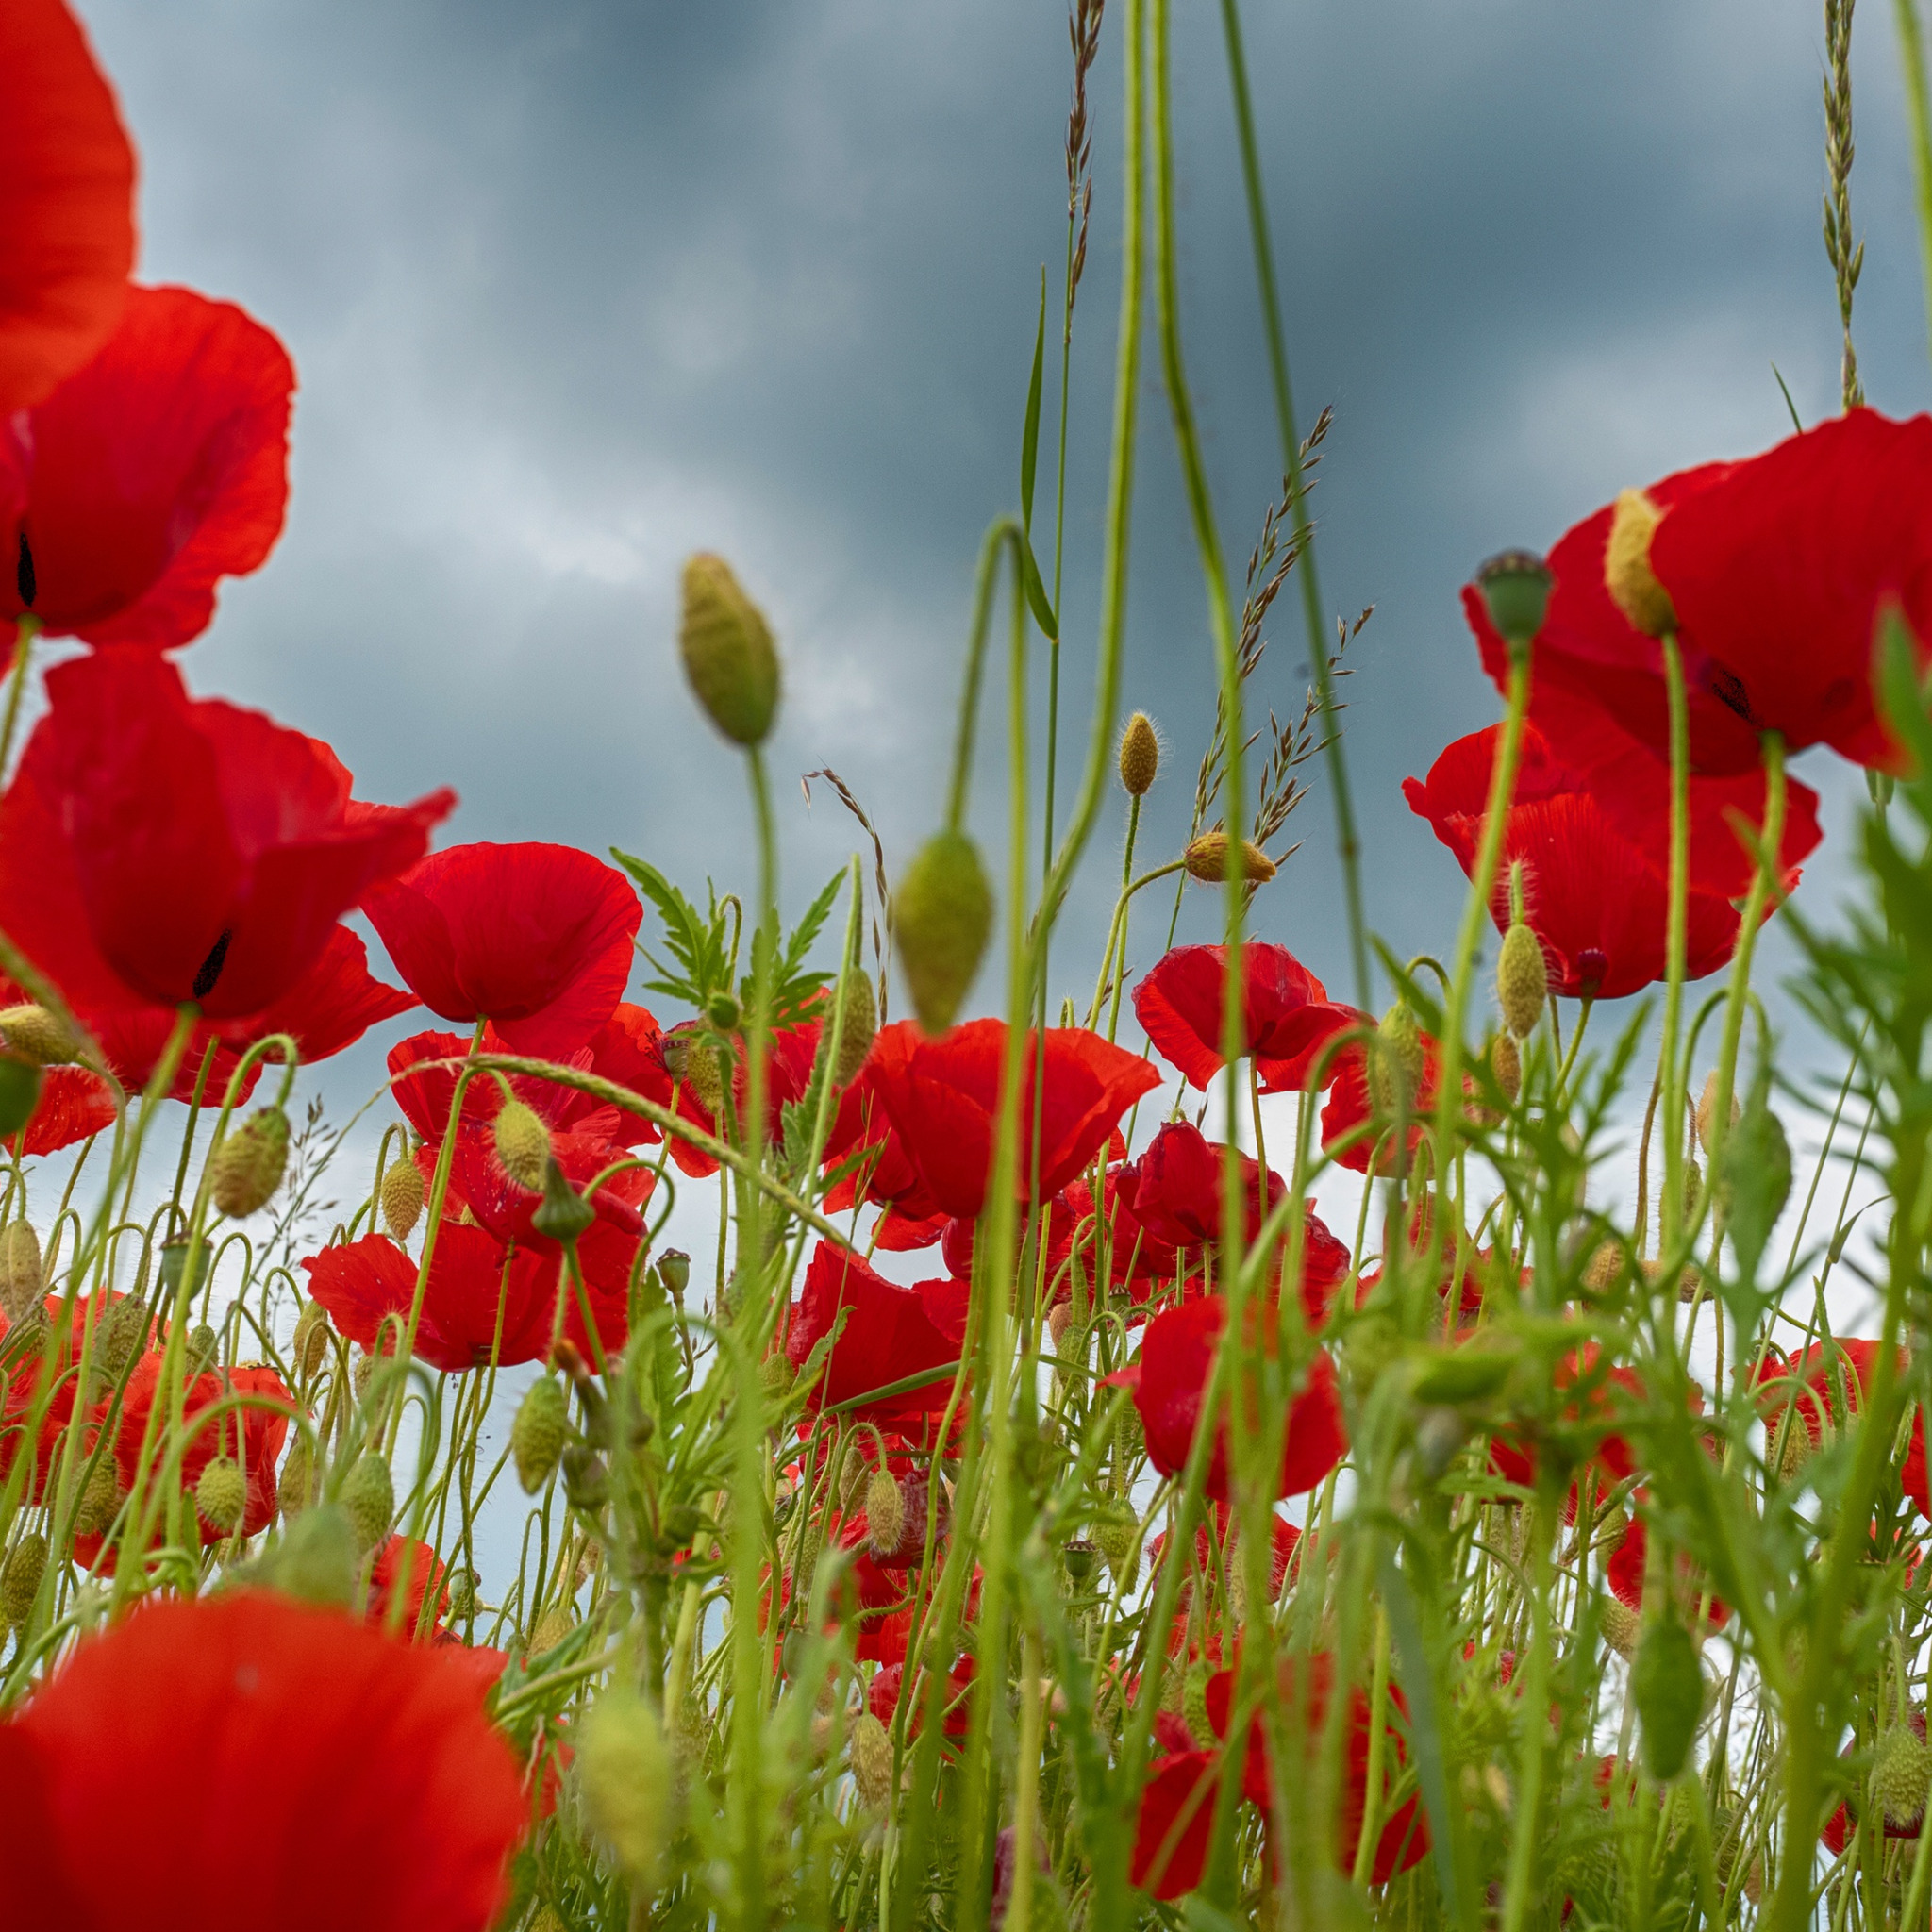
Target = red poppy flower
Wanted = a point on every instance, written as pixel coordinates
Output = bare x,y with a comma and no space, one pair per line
535,938
879,1169
402,1555
1404,1837
1826,1383
1625,1574
157,850
883,1693
1778,568
66,204
23,1388
1135,1259
330,1008
1176,1355
1598,903
1287,1014
888,1336
1055,1231
941,1097
1349,1108
1631,782
1174,1828
73,1106
159,468
254,1739
1912,1472
1284,1539
1593,1411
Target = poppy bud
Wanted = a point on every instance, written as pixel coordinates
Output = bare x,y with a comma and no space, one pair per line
222,1494
586,1479
870,1753
722,1010
21,1278
310,1348
402,1197
1059,1318
536,1436
119,1336
1140,755
885,1513
1522,980
199,1350
1516,587
691,1061
1398,1056
1605,1268
1619,1626
1901,1776
553,1627
1667,1683
20,1579
33,1033
1117,1539
851,1481
1194,1704
563,1213
317,1558
246,1168
1707,1111
522,1143
99,1501
369,1500
942,920
462,1593
1207,861
806,1560
728,654
20,1094
1627,574
297,1488
1506,1063
362,1373
857,1031
1131,1436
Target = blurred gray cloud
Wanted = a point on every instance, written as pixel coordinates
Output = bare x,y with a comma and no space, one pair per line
575,291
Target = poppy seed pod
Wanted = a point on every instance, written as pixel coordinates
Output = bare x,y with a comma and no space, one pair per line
20,1579
119,1336
522,1143
942,920
221,1495
885,1513
20,1279
624,1770
1516,585
310,1348
563,1213
1901,1775
246,1168
402,1197
536,1436
870,1753
369,1500
728,654
1206,860
1632,584
1140,755
33,1033
1522,980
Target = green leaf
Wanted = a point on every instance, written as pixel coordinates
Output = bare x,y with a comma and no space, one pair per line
1899,690
1043,614
696,941
1029,443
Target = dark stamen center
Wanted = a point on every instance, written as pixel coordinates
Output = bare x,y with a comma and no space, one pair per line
211,967
24,579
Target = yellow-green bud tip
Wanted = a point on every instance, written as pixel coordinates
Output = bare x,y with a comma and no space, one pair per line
522,1143
1522,980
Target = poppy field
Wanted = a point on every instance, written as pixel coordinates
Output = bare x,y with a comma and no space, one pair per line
1042,1506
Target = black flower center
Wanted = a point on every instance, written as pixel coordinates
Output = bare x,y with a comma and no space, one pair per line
24,579
211,967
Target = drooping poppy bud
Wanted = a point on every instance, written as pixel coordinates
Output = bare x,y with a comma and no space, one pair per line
33,1033
1140,755
1506,1063
1398,1058
885,1513
1522,980
522,1143
199,1350
369,1499
1667,1683
870,1753
536,1436
402,1197
1707,1111
1619,1626
1516,585
728,654
20,1579
586,1477
21,1278
692,1062
1627,574
295,1486
1206,860
310,1348
119,1336
317,1559
246,1168
624,1770
1901,1776
942,920
221,1495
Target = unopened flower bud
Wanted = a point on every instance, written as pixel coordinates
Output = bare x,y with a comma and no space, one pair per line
1516,587
36,1035
20,1578
246,1168
885,1513
1139,757
369,1499
870,1753
310,1349
462,1593
119,1336
553,1628
221,1496
1667,1686
624,1772
522,1143
1632,583
1707,1111
317,1559
20,1279
728,654
200,1347
295,1489
1901,1775
537,1434
1522,980
563,1213
586,1477
942,920
1059,1318
856,1030
692,1062
402,1197
1397,1062
1506,1063
1620,1627
1206,860
99,1501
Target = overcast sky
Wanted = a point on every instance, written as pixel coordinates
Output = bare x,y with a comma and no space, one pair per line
575,289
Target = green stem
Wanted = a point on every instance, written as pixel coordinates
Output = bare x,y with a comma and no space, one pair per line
1912,54
1670,1208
